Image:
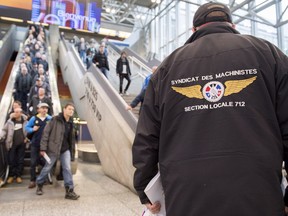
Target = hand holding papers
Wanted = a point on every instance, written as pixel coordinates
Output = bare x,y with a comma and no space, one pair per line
154,192
47,158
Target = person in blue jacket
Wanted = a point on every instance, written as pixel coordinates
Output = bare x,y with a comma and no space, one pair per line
34,128
140,97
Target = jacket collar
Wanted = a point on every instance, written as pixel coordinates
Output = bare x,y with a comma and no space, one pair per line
61,118
211,28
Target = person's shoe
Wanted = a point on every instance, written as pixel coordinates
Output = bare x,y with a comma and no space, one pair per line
49,177
10,180
126,93
70,194
121,94
39,190
32,184
19,180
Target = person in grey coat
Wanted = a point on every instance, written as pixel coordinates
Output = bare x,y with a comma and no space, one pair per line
14,135
58,141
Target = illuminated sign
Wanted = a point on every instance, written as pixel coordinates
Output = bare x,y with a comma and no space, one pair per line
77,14
20,9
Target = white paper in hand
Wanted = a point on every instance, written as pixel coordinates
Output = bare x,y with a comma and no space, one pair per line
47,158
155,193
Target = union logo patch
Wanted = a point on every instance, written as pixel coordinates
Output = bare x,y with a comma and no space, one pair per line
213,91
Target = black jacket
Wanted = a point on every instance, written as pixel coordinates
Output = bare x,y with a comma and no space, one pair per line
101,60
215,118
119,66
34,103
23,83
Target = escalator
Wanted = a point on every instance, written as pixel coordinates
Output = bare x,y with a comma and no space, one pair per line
7,97
112,127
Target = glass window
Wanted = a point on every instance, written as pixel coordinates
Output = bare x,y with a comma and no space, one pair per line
182,25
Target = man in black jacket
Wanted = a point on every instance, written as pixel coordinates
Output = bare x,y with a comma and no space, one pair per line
215,121
101,61
22,87
58,141
123,71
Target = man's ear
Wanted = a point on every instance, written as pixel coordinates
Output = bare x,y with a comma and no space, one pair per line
233,26
194,29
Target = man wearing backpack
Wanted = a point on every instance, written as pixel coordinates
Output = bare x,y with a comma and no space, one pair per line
35,128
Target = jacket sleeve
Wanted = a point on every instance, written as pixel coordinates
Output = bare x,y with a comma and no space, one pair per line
29,126
46,134
117,67
281,82
139,98
107,63
146,143
128,66
72,144
94,59
50,107
4,132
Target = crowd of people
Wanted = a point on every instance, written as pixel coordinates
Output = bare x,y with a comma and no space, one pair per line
30,122
91,53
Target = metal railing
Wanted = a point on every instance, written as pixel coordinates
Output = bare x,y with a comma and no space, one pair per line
143,70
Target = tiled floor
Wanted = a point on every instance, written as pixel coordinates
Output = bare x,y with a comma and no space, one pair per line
100,196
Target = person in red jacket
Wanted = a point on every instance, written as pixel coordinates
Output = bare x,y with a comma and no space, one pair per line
215,123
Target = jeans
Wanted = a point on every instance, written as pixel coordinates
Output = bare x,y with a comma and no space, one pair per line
65,159
16,160
121,77
83,56
35,160
104,71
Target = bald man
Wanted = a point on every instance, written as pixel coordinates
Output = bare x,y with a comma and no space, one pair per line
15,138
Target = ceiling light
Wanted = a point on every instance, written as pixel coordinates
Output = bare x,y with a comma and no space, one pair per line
153,1
158,1
113,11
107,10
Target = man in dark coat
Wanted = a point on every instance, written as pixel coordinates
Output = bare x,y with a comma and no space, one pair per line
101,61
215,121
58,141
22,87
123,71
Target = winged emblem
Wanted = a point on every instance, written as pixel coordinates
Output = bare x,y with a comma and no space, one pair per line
232,87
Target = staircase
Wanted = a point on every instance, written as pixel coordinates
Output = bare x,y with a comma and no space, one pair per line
128,99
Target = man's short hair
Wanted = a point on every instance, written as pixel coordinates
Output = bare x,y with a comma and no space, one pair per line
69,104
212,12
18,102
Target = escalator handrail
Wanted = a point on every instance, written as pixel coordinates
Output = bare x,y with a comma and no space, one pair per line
53,81
8,93
114,96
8,34
77,58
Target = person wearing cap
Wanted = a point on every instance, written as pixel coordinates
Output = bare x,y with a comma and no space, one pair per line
34,128
215,122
